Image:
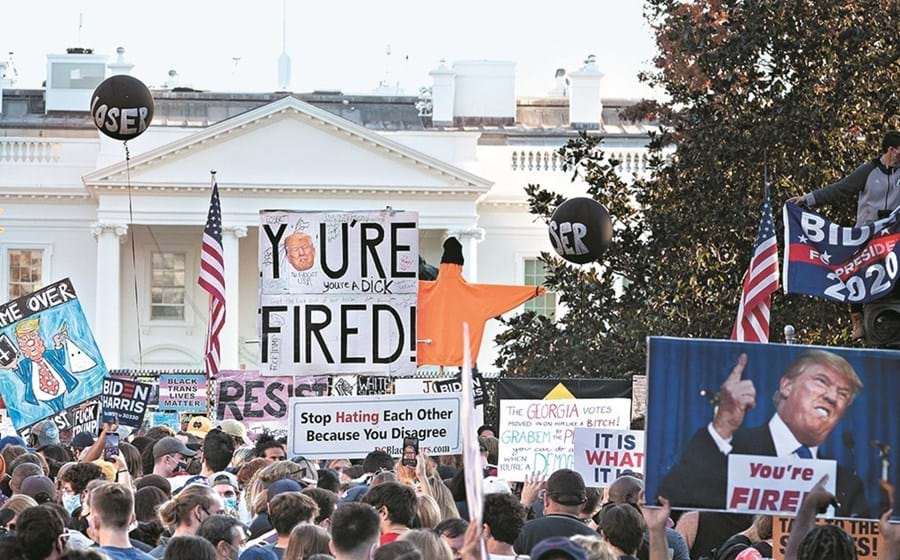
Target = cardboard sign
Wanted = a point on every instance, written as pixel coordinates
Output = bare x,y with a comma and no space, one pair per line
247,396
183,393
351,427
538,436
126,400
866,536
840,402
48,355
766,485
170,419
602,456
338,292
82,417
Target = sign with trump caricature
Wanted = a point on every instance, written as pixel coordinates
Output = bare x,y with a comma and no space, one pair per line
751,428
48,358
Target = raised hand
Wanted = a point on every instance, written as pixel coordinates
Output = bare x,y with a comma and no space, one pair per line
736,397
534,484
798,200
656,518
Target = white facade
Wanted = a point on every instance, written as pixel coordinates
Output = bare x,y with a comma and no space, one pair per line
64,194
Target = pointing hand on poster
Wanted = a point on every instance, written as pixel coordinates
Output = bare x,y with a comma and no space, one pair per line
61,337
736,397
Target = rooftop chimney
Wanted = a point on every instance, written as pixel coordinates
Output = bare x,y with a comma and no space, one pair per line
72,78
585,105
485,92
443,91
120,66
173,81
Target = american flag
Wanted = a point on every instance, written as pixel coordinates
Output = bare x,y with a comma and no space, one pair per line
212,279
760,282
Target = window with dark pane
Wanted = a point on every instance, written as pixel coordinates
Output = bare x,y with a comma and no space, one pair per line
535,273
167,286
25,271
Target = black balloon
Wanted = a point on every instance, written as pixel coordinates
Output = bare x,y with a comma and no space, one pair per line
122,107
580,230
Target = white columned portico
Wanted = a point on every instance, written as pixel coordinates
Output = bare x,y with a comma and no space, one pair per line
108,327
468,237
228,339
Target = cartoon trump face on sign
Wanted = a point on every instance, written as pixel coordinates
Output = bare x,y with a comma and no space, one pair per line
300,250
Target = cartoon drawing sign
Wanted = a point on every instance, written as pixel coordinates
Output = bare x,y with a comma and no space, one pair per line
48,357
337,292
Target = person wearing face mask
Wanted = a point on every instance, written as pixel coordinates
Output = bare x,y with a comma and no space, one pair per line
226,486
185,512
112,513
74,483
227,535
170,456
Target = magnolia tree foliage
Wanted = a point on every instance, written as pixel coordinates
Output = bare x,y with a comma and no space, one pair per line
802,88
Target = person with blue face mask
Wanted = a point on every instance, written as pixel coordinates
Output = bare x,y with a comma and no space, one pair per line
227,535
74,481
226,486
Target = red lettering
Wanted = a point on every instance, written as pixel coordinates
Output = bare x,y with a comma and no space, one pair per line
739,495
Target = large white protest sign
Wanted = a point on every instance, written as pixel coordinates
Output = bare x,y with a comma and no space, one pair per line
351,427
601,456
767,485
338,292
538,436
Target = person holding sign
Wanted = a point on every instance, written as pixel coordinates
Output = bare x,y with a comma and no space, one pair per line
812,397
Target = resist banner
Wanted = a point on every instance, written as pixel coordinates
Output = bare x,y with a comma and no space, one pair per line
834,406
338,292
247,396
345,427
844,264
183,392
538,436
48,358
126,400
866,536
84,417
602,456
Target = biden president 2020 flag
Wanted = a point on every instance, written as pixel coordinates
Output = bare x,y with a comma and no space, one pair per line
843,264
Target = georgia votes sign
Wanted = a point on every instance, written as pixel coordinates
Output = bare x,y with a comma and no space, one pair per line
843,264
337,292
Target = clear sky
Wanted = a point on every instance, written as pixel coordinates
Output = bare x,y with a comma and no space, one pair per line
335,44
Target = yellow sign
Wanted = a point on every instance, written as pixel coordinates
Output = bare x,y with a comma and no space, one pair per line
864,533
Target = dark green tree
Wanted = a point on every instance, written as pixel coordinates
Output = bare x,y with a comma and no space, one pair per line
806,88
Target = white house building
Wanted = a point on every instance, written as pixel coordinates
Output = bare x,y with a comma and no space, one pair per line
128,235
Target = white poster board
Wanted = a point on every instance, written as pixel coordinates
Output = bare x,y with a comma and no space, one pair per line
538,436
337,292
351,427
602,456
770,485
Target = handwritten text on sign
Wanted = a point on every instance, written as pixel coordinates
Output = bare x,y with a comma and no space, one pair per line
866,536
539,435
351,427
338,292
767,485
601,456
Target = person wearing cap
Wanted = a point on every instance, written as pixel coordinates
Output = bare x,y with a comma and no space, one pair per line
218,448
557,548
40,488
44,433
80,442
563,499
199,426
226,486
170,456
494,485
236,430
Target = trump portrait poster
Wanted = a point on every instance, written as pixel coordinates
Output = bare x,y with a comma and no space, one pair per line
48,358
751,428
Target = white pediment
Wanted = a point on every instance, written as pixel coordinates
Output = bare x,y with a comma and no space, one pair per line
289,144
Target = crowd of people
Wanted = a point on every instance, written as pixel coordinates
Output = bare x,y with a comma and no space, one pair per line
208,492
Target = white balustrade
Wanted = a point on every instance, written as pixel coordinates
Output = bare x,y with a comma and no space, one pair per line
549,160
28,150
